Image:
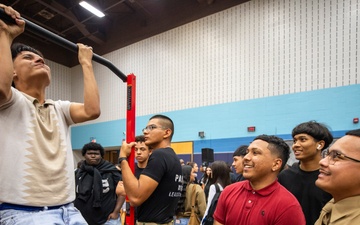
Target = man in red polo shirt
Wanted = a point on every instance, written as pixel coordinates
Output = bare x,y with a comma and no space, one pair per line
260,199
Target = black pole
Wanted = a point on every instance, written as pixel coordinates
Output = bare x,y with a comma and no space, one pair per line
36,29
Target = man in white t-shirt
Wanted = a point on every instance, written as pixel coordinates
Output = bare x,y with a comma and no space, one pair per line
35,134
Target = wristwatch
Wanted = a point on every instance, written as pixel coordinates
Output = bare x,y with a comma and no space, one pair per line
121,159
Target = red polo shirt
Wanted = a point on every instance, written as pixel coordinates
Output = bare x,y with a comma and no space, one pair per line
272,205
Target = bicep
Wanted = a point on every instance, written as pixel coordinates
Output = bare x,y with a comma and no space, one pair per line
147,186
77,112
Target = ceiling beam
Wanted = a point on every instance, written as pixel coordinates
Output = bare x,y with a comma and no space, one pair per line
56,7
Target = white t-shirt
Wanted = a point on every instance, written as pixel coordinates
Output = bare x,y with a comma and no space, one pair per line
36,160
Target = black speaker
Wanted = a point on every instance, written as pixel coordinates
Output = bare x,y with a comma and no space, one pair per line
207,155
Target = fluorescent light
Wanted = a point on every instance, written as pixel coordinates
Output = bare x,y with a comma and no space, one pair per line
92,9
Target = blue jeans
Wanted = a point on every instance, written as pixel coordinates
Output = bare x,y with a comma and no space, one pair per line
113,221
66,215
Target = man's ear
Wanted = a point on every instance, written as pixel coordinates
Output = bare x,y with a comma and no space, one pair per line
168,133
276,165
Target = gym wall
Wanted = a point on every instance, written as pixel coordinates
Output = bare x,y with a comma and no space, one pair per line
266,63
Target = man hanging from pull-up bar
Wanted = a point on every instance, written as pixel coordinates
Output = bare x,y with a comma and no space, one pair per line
36,162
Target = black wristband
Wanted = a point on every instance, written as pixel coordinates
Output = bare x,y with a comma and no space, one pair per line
121,159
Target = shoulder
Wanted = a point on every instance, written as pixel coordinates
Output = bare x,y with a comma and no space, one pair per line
286,196
235,186
198,188
166,151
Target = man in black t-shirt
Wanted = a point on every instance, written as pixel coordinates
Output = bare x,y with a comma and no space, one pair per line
158,189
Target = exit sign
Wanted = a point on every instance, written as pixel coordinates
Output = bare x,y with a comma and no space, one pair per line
251,129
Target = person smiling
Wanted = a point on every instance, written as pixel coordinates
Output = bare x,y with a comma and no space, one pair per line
260,199
309,140
339,175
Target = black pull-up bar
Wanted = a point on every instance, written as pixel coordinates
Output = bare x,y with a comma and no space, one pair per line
36,29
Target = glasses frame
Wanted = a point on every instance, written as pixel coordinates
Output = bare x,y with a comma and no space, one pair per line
152,127
332,155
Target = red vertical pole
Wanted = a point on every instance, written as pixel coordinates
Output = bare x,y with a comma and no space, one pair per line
130,133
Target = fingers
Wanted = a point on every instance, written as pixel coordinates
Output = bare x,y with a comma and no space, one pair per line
10,11
84,46
13,29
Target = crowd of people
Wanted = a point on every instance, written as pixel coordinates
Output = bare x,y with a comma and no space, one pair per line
322,188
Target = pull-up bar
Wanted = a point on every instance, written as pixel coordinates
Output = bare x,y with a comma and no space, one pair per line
32,27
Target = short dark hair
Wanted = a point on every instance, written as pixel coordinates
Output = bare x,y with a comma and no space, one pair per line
241,151
165,122
278,146
93,146
16,48
316,130
353,132
140,138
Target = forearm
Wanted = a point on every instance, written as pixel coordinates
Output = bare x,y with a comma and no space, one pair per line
131,184
91,92
7,34
119,202
6,68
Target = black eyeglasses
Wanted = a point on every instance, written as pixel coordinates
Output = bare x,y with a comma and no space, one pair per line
151,127
334,156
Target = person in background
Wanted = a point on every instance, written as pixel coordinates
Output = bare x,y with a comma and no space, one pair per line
96,183
339,176
142,154
220,177
205,182
310,139
41,187
238,159
195,169
231,173
158,189
182,163
185,203
260,199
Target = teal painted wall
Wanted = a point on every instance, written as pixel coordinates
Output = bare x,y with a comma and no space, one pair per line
226,124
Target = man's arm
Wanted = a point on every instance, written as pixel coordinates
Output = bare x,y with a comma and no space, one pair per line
7,35
116,212
90,109
137,190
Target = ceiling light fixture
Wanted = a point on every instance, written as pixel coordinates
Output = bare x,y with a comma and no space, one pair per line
92,9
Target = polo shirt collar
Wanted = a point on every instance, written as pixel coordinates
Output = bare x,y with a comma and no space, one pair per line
264,191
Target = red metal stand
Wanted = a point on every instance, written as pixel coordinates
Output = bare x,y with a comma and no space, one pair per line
130,134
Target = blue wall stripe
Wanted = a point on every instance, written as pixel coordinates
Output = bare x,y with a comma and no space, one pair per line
336,107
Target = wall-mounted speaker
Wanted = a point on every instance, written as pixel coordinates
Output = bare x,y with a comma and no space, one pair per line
207,155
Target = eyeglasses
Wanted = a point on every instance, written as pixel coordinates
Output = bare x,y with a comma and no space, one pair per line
151,127
334,156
